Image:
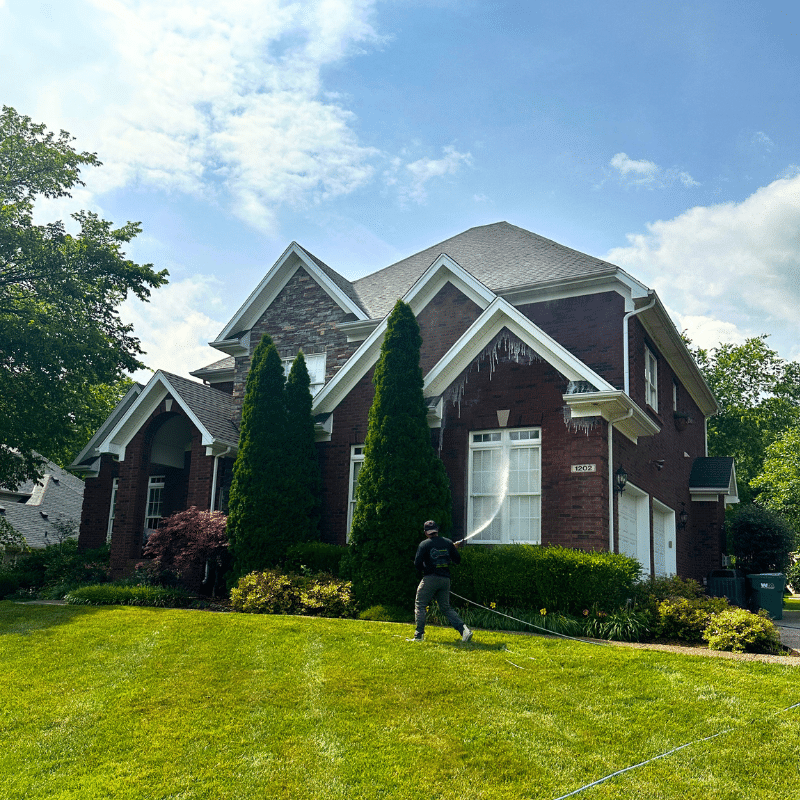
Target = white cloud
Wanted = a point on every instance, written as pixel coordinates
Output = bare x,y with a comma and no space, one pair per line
175,326
418,173
648,173
760,139
734,265
206,98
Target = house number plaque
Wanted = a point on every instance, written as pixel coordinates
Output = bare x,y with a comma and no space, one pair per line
584,467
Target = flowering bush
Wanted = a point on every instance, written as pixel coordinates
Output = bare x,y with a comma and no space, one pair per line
740,631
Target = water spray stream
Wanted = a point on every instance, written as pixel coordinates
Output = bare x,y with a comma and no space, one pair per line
505,472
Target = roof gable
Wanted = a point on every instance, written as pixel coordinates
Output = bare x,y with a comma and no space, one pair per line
210,411
294,257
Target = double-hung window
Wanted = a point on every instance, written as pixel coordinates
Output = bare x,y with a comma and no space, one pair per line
112,509
155,498
651,379
356,462
505,502
315,363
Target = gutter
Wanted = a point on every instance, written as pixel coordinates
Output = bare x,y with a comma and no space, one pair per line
625,341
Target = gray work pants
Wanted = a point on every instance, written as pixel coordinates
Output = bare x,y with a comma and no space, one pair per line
434,587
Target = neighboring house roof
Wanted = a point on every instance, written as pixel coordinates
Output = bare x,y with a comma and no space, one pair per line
712,476
34,507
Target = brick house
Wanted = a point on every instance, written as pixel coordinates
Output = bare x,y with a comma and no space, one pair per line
550,377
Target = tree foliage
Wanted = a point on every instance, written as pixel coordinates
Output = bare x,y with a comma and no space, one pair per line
760,540
778,483
759,397
274,500
402,482
61,338
193,544
302,452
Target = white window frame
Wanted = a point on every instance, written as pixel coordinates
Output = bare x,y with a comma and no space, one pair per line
112,509
315,363
502,443
356,462
651,378
155,500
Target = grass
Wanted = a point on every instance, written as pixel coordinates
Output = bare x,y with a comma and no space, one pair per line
791,603
137,703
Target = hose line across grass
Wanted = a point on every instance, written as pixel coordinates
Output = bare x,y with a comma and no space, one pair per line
661,755
525,622
604,644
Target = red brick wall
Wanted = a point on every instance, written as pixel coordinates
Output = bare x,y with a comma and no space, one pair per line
97,505
590,327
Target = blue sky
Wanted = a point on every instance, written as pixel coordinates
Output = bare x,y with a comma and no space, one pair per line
664,137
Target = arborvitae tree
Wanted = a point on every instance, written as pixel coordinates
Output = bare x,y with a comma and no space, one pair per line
259,504
402,482
301,453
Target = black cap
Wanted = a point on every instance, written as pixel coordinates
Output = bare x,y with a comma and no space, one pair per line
430,527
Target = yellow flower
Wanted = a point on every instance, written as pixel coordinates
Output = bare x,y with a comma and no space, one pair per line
492,605
543,611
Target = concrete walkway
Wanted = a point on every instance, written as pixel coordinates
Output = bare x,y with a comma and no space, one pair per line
789,628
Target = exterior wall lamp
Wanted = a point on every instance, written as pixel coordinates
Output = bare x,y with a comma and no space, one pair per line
683,517
620,480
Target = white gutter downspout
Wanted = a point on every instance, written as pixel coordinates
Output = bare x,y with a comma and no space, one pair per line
625,343
214,479
611,487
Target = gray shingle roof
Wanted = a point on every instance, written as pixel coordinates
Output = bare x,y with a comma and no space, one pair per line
714,472
500,255
223,365
59,496
213,408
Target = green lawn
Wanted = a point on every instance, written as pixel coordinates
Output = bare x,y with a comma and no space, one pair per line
791,603
123,702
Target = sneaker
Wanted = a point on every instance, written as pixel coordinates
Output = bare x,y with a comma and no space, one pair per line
418,637
466,635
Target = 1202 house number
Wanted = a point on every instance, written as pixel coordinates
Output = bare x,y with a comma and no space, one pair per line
584,467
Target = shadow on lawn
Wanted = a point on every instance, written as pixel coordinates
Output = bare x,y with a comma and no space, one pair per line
25,618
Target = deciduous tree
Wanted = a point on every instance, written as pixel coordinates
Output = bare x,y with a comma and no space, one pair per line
61,336
759,396
402,482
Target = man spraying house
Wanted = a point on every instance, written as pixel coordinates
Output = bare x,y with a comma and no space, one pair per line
433,559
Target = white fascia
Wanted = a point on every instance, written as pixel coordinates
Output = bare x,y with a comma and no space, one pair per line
614,406
498,315
441,271
613,280
262,296
145,404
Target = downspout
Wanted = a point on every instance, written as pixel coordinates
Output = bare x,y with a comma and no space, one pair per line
611,487
214,479
625,343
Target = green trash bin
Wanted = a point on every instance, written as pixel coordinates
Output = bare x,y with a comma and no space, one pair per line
767,592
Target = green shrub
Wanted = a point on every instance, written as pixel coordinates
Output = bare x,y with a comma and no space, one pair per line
793,576
61,565
108,594
652,591
623,625
740,631
273,592
685,620
314,557
9,583
535,576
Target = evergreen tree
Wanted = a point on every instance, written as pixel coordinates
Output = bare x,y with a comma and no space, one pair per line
402,482
259,504
302,454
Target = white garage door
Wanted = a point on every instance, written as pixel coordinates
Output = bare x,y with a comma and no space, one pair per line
634,526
